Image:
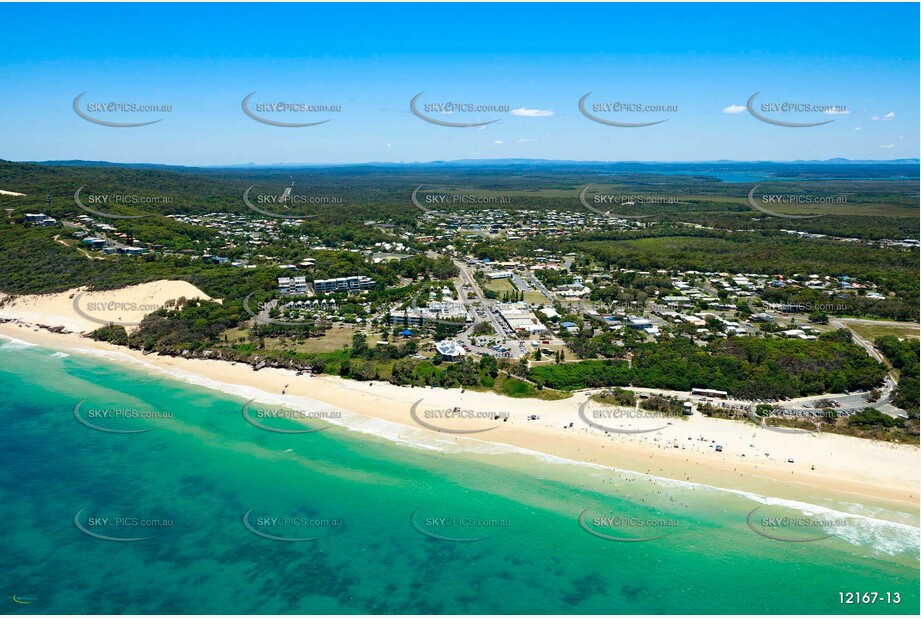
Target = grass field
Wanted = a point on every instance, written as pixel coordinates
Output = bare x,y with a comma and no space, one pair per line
536,298
500,285
334,339
871,332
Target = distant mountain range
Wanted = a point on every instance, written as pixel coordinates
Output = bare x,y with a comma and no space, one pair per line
484,163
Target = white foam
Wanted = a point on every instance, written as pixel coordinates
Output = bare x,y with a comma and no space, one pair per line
862,529
11,344
60,355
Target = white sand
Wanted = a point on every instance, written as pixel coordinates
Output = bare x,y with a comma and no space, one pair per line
126,306
753,459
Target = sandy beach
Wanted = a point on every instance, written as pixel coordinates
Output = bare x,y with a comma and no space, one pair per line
752,459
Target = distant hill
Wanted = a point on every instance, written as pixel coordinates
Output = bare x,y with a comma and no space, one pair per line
483,163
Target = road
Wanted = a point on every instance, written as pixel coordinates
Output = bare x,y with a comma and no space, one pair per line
539,286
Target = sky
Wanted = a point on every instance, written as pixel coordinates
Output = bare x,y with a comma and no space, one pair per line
703,62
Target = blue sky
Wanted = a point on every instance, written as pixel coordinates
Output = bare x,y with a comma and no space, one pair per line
537,59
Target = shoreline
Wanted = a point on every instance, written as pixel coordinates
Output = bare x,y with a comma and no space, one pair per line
847,469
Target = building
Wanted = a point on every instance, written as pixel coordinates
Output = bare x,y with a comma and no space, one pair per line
518,317
132,251
39,219
640,323
709,392
94,243
450,350
343,284
292,286
676,301
435,310
500,274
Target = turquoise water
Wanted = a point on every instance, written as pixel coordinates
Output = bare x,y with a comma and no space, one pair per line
372,509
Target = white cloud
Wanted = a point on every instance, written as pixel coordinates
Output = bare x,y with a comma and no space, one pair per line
887,146
837,110
874,117
531,113
901,137
524,140
734,109
858,129
889,116
498,141
386,145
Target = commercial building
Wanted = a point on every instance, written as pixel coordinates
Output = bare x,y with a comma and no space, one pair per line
343,284
519,317
292,286
450,350
435,310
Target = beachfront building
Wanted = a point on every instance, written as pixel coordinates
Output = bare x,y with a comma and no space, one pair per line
292,286
450,350
343,284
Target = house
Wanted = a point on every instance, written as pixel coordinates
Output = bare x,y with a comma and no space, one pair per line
39,219
94,243
640,323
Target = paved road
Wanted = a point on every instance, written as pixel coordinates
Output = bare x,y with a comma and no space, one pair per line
540,287
491,318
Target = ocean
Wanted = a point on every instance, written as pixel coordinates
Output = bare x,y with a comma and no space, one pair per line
126,490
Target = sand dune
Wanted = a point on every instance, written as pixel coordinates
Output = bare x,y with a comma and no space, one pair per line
81,311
